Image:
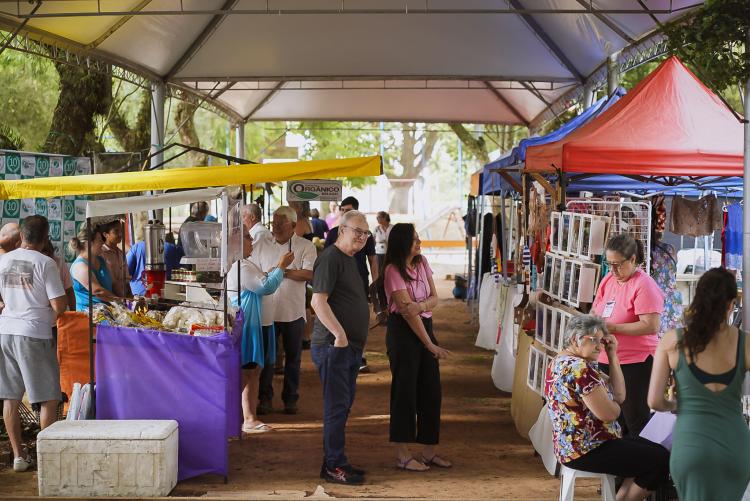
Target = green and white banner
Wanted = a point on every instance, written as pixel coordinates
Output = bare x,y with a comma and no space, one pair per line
66,215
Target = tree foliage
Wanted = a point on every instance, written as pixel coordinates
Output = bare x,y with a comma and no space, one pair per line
714,41
28,92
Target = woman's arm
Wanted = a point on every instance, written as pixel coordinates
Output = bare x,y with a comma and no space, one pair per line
402,300
271,282
616,378
657,388
80,272
647,324
601,405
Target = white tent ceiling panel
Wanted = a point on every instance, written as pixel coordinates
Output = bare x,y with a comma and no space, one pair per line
354,59
82,30
158,42
386,105
292,46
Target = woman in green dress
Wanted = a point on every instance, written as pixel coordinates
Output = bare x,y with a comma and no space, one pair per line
711,441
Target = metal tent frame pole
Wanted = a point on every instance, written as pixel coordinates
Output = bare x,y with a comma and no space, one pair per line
745,216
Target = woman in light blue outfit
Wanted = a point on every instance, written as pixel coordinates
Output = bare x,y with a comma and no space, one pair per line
257,346
101,280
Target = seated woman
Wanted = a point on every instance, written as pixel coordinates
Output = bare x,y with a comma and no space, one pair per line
584,405
258,345
101,280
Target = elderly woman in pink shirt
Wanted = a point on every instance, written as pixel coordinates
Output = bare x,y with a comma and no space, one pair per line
631,303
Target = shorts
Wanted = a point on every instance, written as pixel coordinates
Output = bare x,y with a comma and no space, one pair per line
28,365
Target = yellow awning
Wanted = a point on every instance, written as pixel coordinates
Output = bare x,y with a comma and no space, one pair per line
190,177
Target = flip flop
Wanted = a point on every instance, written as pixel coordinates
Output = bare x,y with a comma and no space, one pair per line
258,428
404,465
437,461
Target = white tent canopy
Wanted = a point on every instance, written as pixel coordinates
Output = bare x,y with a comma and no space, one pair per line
124,205
502,61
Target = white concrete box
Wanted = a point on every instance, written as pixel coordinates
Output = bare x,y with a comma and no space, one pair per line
107,458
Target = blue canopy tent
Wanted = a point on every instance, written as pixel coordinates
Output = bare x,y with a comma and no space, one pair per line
492,182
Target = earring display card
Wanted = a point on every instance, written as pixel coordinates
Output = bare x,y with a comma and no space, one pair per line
555,231
539,332
574,247
575,283
587,282
531,381
566,279
541,372
549,325
548,265
585,246
565,225
555,281
561,324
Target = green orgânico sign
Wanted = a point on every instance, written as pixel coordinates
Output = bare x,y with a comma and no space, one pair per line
322,190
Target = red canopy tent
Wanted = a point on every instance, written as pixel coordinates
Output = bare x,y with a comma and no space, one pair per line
670,124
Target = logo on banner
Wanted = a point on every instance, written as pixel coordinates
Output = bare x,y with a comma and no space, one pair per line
55,230
69,166
12,208
314,190
42,166
12,163
40,207
69,209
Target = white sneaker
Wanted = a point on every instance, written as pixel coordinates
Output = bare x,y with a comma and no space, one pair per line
22,464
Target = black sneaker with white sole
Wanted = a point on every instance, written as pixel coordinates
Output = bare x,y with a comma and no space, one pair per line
342,475
350,468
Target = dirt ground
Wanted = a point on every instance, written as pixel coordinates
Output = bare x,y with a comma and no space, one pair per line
491,461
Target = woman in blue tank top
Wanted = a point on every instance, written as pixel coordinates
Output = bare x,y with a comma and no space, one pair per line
101,280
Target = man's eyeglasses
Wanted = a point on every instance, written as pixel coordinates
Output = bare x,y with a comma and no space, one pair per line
357,232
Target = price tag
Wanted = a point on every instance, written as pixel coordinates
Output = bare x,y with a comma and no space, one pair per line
609,307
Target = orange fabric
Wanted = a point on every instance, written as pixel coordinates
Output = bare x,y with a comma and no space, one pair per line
73,350
670,124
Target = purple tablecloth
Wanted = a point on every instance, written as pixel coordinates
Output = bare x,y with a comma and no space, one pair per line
145,374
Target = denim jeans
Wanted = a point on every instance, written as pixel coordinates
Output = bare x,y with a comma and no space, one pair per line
338,369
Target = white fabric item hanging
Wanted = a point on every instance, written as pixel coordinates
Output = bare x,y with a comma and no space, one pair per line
541,438
75,403
488,313
504,364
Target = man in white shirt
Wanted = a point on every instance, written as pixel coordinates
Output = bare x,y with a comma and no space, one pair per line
34,297
251,218
287,305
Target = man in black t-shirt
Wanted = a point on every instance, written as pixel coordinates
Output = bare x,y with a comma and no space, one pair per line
338,340
364,256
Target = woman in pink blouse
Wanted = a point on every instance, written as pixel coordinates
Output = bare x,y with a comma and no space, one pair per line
413,351
630,302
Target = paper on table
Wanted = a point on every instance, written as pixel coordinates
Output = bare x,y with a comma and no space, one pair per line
659,429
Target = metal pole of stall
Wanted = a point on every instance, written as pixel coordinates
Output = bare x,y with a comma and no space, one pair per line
745,218
92,341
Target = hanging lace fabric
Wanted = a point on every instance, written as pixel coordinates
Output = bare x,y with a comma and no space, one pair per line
731,238
696,218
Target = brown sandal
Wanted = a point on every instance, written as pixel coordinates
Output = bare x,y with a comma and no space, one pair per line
437,461
405,465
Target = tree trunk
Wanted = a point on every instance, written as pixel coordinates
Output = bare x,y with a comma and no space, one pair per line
83,95
399,201
137,137
416,151
475,145
184,121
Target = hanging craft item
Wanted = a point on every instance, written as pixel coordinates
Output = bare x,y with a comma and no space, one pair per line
696,218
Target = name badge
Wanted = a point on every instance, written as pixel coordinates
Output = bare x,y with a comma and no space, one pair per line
609,307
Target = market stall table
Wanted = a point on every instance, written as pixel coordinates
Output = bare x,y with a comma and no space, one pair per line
147,374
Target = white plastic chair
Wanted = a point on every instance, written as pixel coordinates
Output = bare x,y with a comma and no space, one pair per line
568,478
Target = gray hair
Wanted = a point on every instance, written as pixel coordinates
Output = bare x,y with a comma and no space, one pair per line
352,214
287,212
252,210
582,325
